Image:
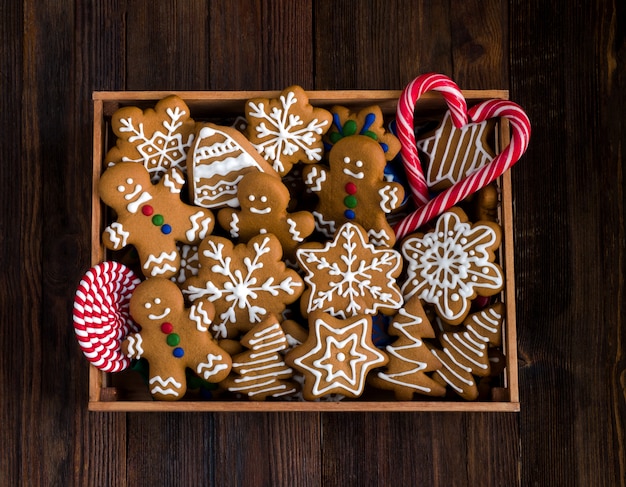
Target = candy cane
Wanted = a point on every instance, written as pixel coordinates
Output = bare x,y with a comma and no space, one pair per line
405,125
520,136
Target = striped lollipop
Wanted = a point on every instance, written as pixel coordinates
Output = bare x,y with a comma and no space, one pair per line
406,127
520,136
101,314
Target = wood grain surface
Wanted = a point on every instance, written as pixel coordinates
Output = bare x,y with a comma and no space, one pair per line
563,64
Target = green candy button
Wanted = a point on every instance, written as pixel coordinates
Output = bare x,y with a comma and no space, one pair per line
350,201
157,220
173,339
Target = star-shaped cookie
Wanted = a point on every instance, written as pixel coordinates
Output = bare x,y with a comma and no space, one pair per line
337,356
349,276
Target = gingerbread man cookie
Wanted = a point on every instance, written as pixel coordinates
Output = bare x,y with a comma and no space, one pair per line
151,217
264,201
157,138
287,129
369,121
173,338
354,189
245,282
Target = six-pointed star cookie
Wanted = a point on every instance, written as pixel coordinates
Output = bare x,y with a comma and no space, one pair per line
349,276
336,356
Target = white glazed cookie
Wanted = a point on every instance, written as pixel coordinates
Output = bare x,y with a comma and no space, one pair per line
452,264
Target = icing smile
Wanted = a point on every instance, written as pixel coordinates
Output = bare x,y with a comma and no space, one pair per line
161,316
262,211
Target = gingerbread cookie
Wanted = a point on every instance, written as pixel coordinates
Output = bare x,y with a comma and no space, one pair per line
287,129
245,282
218,159
354,189
151,217
451,153
465,353
261,371
452,264
349,276
368,121
156,138
337,356
173,338
264,201
409,357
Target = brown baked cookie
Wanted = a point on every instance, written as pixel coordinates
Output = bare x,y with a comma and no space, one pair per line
452,264
368,121
245,282
465,353
218,160
337,356
354,189
288,129
173,338
349,276
156,138
451,153
409,357
264,200
261,372
151,217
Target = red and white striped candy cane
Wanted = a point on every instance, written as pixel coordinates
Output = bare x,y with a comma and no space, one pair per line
520,136
406,130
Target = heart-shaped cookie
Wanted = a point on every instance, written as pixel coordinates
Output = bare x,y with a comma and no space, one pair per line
520,136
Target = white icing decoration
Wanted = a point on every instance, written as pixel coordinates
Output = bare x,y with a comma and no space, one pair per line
163,149
388,198
351,339
134,346
456,161
199,227
162,385
161,264
350,290
284,132
133,206
315,179
117,235
241,289
200,317
293,230
212,366
154,317
440,266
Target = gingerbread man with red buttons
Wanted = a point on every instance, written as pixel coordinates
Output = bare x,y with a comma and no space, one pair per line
354,189
151,217
173,338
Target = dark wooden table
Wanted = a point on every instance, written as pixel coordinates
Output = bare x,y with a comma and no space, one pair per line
564,65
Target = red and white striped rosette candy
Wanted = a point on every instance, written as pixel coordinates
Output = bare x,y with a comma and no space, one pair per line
520,136
101,314
406,127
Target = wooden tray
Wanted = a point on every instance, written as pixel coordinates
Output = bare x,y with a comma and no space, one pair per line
125,392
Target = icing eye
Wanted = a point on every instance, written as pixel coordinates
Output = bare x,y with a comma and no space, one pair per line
346,160
359,163
157,300
263,199
129,181
251,197
148,305
121,188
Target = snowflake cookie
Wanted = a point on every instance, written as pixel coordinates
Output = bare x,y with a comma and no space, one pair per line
287,130
245,282
452,264
157,138
349,276
337,356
